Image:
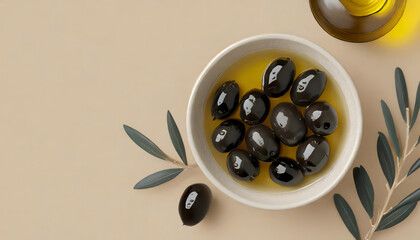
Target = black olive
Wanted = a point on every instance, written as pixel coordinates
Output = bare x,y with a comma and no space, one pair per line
278,77
286,172
308,87
255,107
242,165
321,118
262,143
228,135
225,100
194,204
313,154
288,123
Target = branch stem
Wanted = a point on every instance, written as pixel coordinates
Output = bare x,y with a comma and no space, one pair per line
179,164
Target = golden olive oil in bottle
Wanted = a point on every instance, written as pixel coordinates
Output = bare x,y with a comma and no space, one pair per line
248,72
357,20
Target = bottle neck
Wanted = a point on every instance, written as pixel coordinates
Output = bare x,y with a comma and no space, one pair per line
363,7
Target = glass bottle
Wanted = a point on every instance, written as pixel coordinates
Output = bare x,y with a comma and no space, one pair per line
357,20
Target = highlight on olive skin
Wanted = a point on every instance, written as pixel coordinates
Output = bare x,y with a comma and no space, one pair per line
228,135
278,77
242,165
225,101
194,204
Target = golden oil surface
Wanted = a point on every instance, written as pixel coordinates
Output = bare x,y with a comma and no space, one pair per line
248,72
363,7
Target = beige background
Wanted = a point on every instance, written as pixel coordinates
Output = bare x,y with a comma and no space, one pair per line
72,72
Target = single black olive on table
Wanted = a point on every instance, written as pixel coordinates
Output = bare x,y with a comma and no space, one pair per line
286,172
228,135
278,77
308,87
288,123
262,143
225,100
312,154
194,204
321,118
254,107
242,165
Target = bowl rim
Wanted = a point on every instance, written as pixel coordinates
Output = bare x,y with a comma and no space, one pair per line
357,109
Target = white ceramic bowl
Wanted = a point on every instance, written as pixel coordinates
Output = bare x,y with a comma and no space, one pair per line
204,157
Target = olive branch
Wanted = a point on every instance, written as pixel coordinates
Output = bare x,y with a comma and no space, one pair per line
147,145
387,216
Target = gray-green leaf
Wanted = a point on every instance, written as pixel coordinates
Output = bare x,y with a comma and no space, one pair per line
347,215
143,142
391,128
158,178
411,198
414,168
416,107
176,138
401,88
395,216
418,141
385,158
364,189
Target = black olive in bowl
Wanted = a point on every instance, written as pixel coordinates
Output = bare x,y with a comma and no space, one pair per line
262,143
321,118
225,100
242,165
313,153
308,87
286,172
288,123
254,107
278,77
228,135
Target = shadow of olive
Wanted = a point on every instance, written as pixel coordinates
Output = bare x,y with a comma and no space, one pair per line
214,213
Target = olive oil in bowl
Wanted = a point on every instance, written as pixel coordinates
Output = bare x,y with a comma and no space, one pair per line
248,73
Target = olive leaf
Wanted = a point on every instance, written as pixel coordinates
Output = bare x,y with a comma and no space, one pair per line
385,158
143,142
395,216
411,198
391,128
364,189
401,88
414,168
147,145
176,138
418,141
158,178
347,215
416,107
